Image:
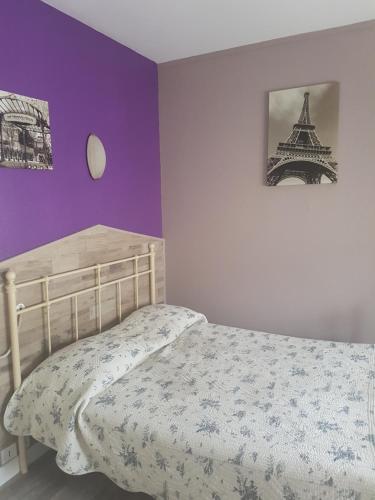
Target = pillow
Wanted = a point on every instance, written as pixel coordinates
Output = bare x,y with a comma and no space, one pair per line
160,319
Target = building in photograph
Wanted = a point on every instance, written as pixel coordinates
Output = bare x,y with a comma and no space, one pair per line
25,136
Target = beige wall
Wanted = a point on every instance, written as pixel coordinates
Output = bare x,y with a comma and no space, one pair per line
297,260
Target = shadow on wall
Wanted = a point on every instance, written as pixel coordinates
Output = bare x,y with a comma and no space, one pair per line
349,321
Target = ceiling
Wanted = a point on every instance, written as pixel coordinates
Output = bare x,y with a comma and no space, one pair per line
164,30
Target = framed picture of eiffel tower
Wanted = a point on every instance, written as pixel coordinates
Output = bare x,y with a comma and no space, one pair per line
302,135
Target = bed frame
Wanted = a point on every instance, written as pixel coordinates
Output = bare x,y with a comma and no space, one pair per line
15,311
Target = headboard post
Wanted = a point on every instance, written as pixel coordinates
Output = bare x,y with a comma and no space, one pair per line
152,273
11,291
10,288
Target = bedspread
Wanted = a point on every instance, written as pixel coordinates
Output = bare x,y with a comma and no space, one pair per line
179,408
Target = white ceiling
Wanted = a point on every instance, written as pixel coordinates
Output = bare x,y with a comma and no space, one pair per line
164,30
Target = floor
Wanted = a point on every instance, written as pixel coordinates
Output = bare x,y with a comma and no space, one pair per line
45,481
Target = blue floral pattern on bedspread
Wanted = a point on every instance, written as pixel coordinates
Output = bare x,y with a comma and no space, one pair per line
168,404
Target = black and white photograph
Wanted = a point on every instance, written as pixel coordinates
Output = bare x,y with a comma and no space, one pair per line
302,135
25,133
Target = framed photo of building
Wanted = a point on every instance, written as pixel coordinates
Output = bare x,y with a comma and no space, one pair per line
302,135
25,133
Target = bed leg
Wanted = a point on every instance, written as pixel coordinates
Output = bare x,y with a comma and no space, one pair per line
152,274
22,455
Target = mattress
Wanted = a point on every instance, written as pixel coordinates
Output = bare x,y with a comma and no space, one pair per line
173,406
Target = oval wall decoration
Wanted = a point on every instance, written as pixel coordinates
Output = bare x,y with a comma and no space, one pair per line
96,157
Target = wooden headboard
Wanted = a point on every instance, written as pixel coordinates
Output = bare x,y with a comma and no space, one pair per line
69,289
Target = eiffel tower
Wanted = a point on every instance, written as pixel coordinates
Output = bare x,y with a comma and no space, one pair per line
302,156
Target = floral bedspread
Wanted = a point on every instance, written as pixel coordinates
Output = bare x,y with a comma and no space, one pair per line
173,406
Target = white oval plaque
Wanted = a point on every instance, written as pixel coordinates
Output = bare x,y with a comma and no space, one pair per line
96,157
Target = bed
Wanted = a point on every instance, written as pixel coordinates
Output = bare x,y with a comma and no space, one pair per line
173,406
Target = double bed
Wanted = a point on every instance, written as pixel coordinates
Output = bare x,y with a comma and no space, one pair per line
179,408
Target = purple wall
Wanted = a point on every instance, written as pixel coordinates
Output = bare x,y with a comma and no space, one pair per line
93,84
